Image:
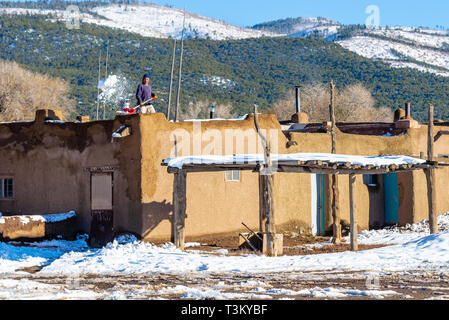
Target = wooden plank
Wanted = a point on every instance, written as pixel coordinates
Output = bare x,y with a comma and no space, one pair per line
248,242
430,175
353,227
179,208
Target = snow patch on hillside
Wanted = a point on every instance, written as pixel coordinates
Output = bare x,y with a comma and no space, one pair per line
398,54
150,20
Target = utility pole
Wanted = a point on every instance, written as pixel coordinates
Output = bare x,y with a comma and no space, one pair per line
171,79
107,56
98,84
180,69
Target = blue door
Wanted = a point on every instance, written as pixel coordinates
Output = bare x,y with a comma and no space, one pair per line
391,198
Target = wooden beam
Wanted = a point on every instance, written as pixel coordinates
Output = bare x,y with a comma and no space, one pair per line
353,227
293,167
179,208
430,175
439,134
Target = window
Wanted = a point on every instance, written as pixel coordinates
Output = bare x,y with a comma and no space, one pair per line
370,180
232,175
6,188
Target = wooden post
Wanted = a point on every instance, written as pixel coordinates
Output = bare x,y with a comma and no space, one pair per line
332,116
261,203
430,176
273,242
334,178
179,208
354,231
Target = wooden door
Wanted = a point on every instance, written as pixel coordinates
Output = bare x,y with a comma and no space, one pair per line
101,231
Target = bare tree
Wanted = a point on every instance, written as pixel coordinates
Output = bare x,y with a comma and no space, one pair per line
200,110
22,92
353,104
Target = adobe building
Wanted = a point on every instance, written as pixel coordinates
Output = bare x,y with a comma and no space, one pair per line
109,172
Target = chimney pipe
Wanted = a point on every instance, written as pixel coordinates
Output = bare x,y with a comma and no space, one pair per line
212,112
407,110
298,98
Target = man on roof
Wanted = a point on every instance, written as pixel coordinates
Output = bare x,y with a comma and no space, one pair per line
145,95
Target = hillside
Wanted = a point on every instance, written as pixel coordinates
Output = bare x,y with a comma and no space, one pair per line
148,20
422,49
318,28
419,48
240,72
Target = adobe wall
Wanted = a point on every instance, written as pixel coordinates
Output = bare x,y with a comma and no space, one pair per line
412,185
48,162
213,205
216,206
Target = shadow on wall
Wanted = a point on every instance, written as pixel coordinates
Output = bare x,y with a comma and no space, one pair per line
153,214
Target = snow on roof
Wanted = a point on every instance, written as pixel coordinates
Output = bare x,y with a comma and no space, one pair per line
179,162
47,218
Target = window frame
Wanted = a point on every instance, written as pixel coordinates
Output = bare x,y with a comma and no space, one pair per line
230,176
6,193
371,180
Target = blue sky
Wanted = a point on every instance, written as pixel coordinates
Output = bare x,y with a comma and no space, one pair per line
427,13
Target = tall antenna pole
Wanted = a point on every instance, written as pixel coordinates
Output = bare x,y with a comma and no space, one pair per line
107,56
98,84
180,68
171,79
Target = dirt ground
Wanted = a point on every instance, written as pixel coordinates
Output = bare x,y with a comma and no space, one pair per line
407,286
294,244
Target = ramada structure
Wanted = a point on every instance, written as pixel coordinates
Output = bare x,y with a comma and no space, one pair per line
110,173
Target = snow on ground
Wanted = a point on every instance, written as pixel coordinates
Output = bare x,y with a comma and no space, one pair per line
401,235
15,256
426,253
32,290
414,250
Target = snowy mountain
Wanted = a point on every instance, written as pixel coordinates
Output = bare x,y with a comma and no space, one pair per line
152,20
302,27
403,47
423,49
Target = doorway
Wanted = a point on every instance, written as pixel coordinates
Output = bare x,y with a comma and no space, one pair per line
317,204
391,192
101,231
